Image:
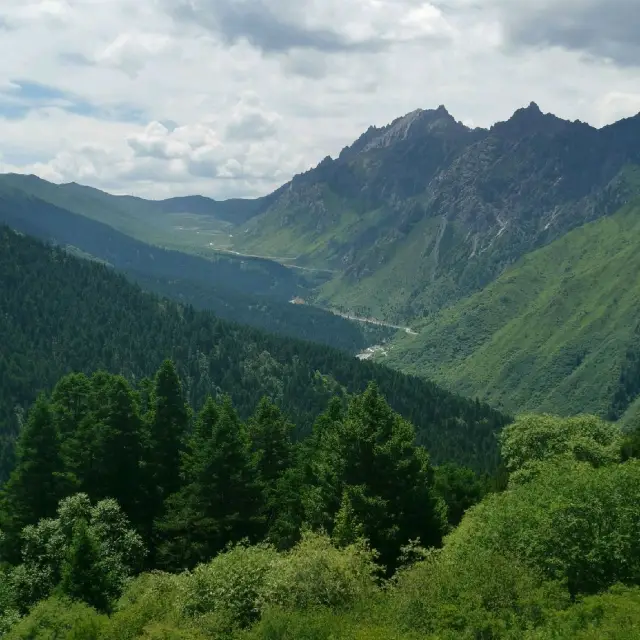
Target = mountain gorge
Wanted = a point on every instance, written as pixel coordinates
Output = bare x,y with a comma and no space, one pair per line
251,291
475,473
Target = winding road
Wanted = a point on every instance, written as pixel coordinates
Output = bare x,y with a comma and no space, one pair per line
380,323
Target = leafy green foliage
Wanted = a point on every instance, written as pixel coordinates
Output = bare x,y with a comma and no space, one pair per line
149,601
614,614
233,583
533,439
460,488
89,551
485,594
572,522
81,576
9,615
61,619
316,574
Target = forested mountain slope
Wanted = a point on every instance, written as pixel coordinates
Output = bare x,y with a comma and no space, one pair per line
61,314
254,292
425,211
558,332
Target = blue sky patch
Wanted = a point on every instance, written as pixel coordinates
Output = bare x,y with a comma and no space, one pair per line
26,96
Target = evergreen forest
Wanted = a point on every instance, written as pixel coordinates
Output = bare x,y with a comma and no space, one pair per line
170,475
65,315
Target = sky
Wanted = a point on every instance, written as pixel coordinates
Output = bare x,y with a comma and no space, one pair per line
231,98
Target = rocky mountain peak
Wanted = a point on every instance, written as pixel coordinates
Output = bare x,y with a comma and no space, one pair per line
418,121
528,121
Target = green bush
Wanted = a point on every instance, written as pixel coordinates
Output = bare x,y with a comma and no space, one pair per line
614,615
321,624
534,439
95,570
317,574
231,582
572,522
295,625
59,619
149,600
8,610
481,595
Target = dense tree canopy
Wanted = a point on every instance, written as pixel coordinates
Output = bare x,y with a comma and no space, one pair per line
337,537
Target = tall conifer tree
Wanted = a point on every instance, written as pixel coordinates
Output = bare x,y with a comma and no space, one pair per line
167,426
220,501
38,481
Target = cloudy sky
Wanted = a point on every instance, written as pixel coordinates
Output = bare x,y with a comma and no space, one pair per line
232,97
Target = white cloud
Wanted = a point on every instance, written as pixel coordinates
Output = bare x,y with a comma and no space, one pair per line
257,90
131,52
617,105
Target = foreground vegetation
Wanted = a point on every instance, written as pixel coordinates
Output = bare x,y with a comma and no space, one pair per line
248,536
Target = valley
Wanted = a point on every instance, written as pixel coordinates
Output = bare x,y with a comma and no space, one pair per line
437,240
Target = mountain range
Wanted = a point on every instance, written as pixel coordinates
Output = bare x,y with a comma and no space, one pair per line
425,211
509,250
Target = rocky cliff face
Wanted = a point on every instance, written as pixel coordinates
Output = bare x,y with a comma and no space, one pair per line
423,211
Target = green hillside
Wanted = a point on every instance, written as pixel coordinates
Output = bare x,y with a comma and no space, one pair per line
249,291
189,223
557,332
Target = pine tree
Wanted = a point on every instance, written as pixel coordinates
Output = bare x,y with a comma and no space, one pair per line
220,500
231,466
70,404
370,472
270,433
321,461
38,481
185,529
168,424
197,451
114,443
166,428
